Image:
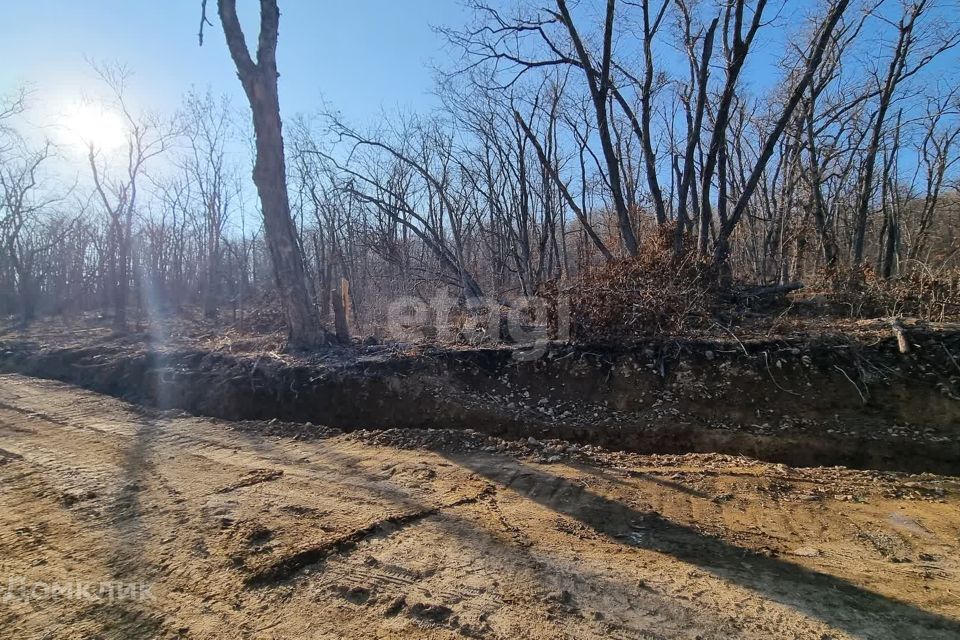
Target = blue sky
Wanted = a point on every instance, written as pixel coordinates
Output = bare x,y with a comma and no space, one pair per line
360,56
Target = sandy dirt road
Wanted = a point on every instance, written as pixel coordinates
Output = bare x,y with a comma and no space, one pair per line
240,535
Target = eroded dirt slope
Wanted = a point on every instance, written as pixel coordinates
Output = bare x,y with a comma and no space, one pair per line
259,531
855,400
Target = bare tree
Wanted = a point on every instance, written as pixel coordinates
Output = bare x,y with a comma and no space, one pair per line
695,110
822,37
23,200
259,80
599,81
901,67
938,154
208,131
427,151
118,187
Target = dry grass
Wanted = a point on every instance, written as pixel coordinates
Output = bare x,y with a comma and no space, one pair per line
862,293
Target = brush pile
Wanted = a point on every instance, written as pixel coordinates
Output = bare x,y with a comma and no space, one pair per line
652,293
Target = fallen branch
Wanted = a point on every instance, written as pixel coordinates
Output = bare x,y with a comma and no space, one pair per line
855,385
772,290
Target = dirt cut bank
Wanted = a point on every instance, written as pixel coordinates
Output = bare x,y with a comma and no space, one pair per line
832,400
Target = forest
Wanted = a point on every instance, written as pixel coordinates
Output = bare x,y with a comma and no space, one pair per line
714,137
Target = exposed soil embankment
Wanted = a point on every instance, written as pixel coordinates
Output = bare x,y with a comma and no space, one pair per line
828,401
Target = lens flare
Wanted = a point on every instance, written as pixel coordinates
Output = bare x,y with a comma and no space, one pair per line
88,124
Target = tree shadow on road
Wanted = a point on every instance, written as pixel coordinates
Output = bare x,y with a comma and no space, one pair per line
831,599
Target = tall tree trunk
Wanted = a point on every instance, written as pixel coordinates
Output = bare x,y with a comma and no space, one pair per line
646,109
687,184
122,283
259,80
736,57
210,286
599,83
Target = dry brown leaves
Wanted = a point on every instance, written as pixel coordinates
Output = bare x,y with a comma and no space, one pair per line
652,293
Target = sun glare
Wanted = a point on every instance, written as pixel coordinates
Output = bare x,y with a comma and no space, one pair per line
87,124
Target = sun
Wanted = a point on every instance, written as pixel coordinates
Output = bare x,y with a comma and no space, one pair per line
89,124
